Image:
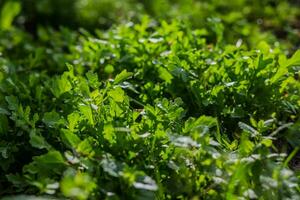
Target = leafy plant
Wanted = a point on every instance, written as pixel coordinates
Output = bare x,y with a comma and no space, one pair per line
150,110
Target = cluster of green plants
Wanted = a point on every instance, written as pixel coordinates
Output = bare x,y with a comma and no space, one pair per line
149,109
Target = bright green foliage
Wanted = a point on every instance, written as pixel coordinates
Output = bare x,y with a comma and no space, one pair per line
9,11
149,110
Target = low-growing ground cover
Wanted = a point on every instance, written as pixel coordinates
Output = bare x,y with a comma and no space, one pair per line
148,110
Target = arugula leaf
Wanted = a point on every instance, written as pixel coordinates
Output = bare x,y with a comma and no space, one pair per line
122,76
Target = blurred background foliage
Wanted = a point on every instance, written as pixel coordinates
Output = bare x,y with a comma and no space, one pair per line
250,20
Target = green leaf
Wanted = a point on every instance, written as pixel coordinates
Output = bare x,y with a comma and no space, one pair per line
69,138
85,147
73,120
4,111
284,66
52,119
264,47
246,146
77,185
93,79
294,60
13,103
165,75
109,69
46,164
267,142
87,113
109,133
8,12
38,141
60,85
248,129
117,94
51,158
122,76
